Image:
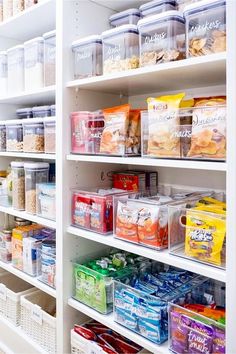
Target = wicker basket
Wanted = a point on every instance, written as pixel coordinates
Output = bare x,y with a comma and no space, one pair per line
11,289
36,321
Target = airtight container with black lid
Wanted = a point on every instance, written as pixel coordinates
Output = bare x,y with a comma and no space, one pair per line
23,113
156,7
162,38
130,16
41,111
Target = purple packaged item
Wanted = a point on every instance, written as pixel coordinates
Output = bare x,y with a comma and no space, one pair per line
200,338
48,233
218,341
179,328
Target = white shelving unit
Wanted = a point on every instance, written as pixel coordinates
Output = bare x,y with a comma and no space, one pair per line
215,74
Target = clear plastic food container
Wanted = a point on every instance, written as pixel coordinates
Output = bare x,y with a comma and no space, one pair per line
156,7
120,49
18,185
14,136
2,137
18,6
7,9
33,137
34,173
46,200
49,58
3,74
205,27
162,38
50,137
130,16
15,64
41,111
6,245
181,4
87,57
34,62
24,113
53,110
48,266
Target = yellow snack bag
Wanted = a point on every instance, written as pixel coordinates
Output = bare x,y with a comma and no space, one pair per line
209,200
204,236
217,209
163,124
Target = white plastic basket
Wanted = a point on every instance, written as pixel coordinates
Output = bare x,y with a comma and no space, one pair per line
78,343
11,289
36,322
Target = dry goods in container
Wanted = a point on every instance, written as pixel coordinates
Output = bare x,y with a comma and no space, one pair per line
33,139
7,9
130,16
18,185
50,136
2,137
14,136
18,6
1,10
34,62
49,58
15,63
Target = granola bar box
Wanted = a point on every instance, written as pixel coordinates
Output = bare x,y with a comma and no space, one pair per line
205,27
162,38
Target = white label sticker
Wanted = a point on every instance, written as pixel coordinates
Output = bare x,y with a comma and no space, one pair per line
37,314
3,292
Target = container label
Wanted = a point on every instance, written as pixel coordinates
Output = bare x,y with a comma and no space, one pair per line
37,314
3,292
84,55
157,37
114,53
205,27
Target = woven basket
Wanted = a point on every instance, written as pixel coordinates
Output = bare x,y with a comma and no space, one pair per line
36,321
11,290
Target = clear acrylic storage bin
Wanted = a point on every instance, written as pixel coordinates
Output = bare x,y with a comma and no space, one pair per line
49,58
2,136
34,62
33,137
205,28
204,137
130,16
120,49
87,57
197,234
47,270
93,210
15,64
50,136
14,136
86,132
3,73
162,38
156,7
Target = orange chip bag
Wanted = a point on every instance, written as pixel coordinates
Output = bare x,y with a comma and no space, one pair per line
126,222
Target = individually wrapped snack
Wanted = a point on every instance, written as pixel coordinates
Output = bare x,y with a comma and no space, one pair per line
219,341
133,140
126,222
163,121
148,225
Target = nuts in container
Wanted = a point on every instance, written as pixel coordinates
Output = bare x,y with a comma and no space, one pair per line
50,136
14,136
35,172
18,185
33,140
205,28
120,49
162,38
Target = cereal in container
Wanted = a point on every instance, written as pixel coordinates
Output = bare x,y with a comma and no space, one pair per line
33,139
18,185
14,136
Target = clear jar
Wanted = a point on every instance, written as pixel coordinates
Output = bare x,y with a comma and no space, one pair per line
49,58
18,185
18,6
205,27
7,9
87,57
15,64
120,49
14,136
41,111
21,222
33,137
2,137
34,173
29,3
50,137
156,7
3,74
162,38
34,62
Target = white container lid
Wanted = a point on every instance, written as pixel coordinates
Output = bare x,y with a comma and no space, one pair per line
49,34
159,17
14,122
86,40
120,29
34,40
18,164
17,47
35,165
155,3
40,108
123,14
203,5
3,52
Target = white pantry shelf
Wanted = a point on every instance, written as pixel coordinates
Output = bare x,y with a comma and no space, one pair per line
16,341
31,280
15,28
194,72
42,96
161,256
108,320
26,155
27,216
139,161
119,5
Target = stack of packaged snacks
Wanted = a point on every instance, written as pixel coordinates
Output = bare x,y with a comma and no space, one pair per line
135,180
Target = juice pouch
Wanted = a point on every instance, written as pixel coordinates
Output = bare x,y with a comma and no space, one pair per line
114,135
163,125
133,139
204,236
126,222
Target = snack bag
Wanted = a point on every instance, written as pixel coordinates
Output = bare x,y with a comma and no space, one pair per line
126,222
204,236
209,129
113,138
133,139
163,126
